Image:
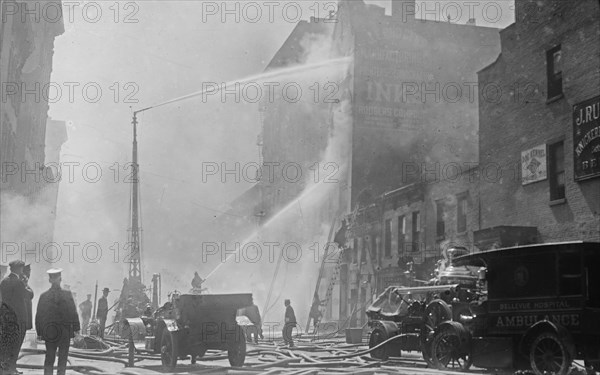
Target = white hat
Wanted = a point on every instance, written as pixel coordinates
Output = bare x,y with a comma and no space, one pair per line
54,271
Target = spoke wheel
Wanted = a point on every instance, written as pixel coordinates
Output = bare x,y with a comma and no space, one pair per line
377,337
447,352
436,312
549,355
169,347
236,351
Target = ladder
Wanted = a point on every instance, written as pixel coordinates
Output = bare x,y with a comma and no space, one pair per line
336,269
332,280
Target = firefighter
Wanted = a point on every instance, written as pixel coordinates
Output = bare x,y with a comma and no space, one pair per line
56,322
86,312
253,314
290,323
315,313
102,311
15,296
197,281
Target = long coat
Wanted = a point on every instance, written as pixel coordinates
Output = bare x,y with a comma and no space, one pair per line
56,316
86,309
102,310
29,305
15,295
290,317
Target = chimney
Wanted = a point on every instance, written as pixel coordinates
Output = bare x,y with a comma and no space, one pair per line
404,10
472,21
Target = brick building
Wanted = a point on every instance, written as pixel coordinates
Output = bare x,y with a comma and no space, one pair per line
413,109
539,135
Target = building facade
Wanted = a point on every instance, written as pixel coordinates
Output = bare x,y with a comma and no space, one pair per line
539,133
294,133
414,112
28,185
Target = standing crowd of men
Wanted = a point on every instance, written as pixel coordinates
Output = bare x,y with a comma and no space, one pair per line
56,319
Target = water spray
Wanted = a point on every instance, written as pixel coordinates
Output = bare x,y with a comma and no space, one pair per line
257,77
136,268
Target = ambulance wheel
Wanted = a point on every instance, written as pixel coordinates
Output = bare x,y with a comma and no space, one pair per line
548,354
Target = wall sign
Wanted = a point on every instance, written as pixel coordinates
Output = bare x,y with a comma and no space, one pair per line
533,165
586,139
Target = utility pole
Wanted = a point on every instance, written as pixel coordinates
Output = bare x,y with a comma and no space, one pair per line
95,299
134,233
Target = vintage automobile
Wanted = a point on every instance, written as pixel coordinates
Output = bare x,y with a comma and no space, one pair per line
191,324
412,314
539,309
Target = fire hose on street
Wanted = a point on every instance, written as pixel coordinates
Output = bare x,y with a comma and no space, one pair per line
271,358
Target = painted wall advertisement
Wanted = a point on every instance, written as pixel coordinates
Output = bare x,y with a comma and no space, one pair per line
533,165
586,139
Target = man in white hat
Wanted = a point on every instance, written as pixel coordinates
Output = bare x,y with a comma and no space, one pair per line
56,322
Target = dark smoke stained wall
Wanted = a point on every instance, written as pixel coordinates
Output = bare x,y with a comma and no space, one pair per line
414,94
414,109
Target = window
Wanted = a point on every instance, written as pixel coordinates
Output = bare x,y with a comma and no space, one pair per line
401,234
374,248
554,72
388,238
556,170
363,253
363,299
592,277
440,225
416,230
461,213
569,270
355,251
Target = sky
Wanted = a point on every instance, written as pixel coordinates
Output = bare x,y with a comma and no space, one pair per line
132,55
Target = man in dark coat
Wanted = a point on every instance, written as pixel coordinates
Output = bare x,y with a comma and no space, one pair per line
15,294
86,312
56,322
102,311
315,312
29,297
290,323
253,314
